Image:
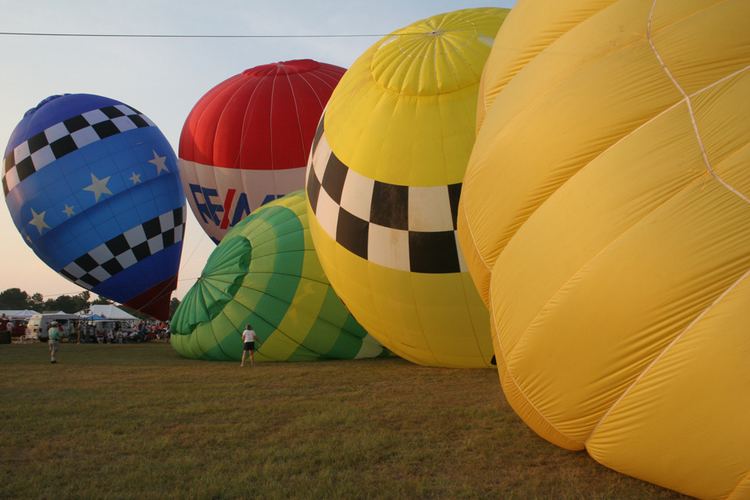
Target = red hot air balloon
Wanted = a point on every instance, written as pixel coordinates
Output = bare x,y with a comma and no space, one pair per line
247,140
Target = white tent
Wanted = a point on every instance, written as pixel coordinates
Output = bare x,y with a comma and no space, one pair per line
18,313
109,311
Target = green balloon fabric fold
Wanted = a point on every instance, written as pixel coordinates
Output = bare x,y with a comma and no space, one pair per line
265,272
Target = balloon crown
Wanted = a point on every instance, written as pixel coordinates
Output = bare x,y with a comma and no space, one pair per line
286,67
42,103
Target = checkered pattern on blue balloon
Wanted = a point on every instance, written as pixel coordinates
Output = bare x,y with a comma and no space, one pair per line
83,170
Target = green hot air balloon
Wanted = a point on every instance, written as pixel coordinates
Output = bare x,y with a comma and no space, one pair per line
266,272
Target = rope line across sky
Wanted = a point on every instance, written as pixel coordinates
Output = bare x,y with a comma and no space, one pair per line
162,35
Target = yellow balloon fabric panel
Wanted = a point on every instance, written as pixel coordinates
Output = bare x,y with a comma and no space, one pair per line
605,216
539,24
661,420
384,182
607,63
404,113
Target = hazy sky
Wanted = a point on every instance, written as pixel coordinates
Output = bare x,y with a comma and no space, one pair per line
164,78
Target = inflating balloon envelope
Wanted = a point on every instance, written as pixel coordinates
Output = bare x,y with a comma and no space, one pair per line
93,188
605,218
265,272
247,140
384,183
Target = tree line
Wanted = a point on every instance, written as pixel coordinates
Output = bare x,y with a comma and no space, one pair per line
15,298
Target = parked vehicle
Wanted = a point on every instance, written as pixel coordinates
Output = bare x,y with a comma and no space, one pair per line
39,324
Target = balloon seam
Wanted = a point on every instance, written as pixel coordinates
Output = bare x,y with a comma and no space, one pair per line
743,480
513,379
664,351
607,245
237,162
691,112
665,111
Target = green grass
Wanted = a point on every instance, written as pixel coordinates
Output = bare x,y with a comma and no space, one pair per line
137,421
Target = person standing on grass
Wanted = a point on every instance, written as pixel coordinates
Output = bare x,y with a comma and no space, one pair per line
53,340
248,344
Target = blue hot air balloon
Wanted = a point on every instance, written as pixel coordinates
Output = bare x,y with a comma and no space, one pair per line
92,186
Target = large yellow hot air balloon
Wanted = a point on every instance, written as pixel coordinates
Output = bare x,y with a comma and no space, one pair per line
605,217
384,183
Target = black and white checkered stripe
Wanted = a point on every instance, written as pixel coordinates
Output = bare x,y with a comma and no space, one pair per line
126,249
407,228
66,137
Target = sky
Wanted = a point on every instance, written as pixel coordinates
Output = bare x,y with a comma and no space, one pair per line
164,78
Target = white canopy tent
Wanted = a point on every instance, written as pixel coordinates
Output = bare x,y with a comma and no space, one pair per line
18,313
108,311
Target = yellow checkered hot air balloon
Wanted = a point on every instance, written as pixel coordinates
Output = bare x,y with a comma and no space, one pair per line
384,182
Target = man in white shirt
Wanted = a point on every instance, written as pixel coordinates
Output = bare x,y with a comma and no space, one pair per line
248,344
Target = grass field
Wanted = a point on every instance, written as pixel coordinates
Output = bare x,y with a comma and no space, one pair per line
137,421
